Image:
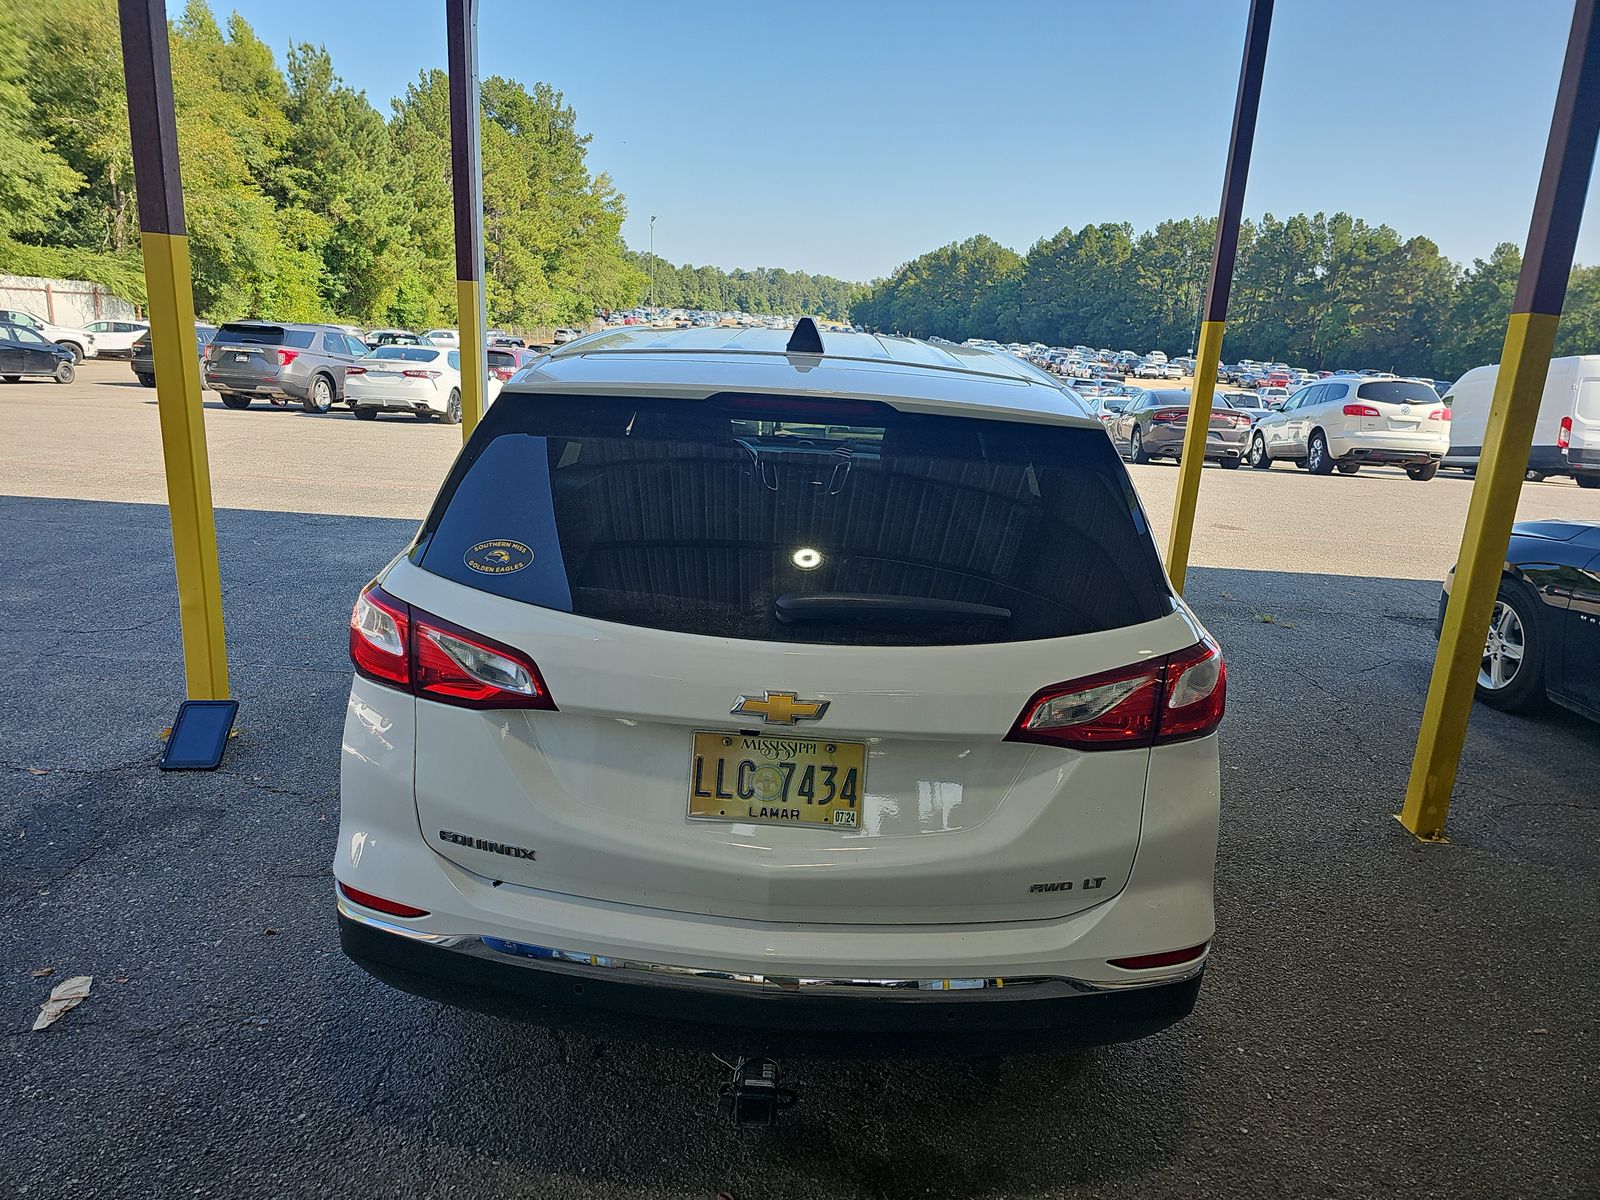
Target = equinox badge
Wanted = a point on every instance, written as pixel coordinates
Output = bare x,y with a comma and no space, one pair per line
780,708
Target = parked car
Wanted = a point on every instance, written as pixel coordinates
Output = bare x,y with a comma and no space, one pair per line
561,813
1272,397
563,336
442,337
1569,413
1544,635
424,381
143,363
26,351
1349,421
115,338
1249,403
390,337
1171,371
505,361
80,341
1154,426
1108,407
1150,370
282,363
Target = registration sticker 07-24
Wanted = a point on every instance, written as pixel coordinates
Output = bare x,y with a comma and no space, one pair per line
777,780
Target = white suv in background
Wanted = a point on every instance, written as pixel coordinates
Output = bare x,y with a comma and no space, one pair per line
1348,422
80,341
728,685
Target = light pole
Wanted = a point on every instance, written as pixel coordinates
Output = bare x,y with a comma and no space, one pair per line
652,262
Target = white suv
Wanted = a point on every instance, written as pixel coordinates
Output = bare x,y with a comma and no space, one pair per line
79,341
811,693
1351,421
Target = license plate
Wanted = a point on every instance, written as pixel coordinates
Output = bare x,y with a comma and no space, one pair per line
777,780
241,358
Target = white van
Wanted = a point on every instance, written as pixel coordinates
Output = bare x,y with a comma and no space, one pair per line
1579,434
1566,438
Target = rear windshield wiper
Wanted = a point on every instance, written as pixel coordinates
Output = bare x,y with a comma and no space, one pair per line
867,606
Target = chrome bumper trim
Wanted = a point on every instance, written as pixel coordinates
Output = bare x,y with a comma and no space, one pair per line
525,955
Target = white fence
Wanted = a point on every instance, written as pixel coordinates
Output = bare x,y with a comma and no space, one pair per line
63,301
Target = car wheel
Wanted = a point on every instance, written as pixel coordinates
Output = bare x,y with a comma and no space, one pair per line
452,409
1228,464
1258,453
65,373
1511,672
365,414
234,400
1536,476
146,380
12,378
1587,481
1349,468
1423,471
320,398
1318,460
75,350
1136,449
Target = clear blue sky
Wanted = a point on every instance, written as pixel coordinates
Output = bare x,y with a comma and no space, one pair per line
848,138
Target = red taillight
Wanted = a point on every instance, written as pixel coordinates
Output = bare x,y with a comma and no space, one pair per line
1564,434
1439,414
422,374
355,370
380,637
1166,958
393,907
395,644
1169,414
503,374
1360,410
460,667
285,357
1172,699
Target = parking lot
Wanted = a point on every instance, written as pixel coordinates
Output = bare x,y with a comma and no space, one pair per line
98,439
1379,1017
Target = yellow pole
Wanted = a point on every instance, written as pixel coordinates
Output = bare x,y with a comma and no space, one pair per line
1519,389
466,181
147,69
1207,359
1209,350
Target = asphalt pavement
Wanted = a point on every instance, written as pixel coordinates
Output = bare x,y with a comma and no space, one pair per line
1380,1017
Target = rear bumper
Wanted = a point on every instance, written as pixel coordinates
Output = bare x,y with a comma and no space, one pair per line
1402,450
666,1006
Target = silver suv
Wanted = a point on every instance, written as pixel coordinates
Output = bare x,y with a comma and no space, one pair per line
280,363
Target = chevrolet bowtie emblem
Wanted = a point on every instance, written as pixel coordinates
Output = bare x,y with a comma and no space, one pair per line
780,708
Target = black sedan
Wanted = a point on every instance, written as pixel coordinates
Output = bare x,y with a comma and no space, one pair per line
144,367
1544,637
25,351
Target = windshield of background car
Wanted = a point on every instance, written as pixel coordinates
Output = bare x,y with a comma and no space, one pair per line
263,335
1397,391
405,353
797,520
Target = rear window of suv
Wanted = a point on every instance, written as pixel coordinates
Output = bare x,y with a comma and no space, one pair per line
1397,391
797,521
263,335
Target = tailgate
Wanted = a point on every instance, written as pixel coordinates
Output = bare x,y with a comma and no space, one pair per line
953,824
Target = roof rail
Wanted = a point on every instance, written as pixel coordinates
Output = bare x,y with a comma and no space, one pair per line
806,339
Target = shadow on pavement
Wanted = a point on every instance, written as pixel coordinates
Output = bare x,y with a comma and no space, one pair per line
1380,1017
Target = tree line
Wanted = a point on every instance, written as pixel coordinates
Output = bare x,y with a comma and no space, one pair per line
302,200
1317,291
763,290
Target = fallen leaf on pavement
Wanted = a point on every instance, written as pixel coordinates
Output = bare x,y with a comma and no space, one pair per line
66,995
38,771
41,972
